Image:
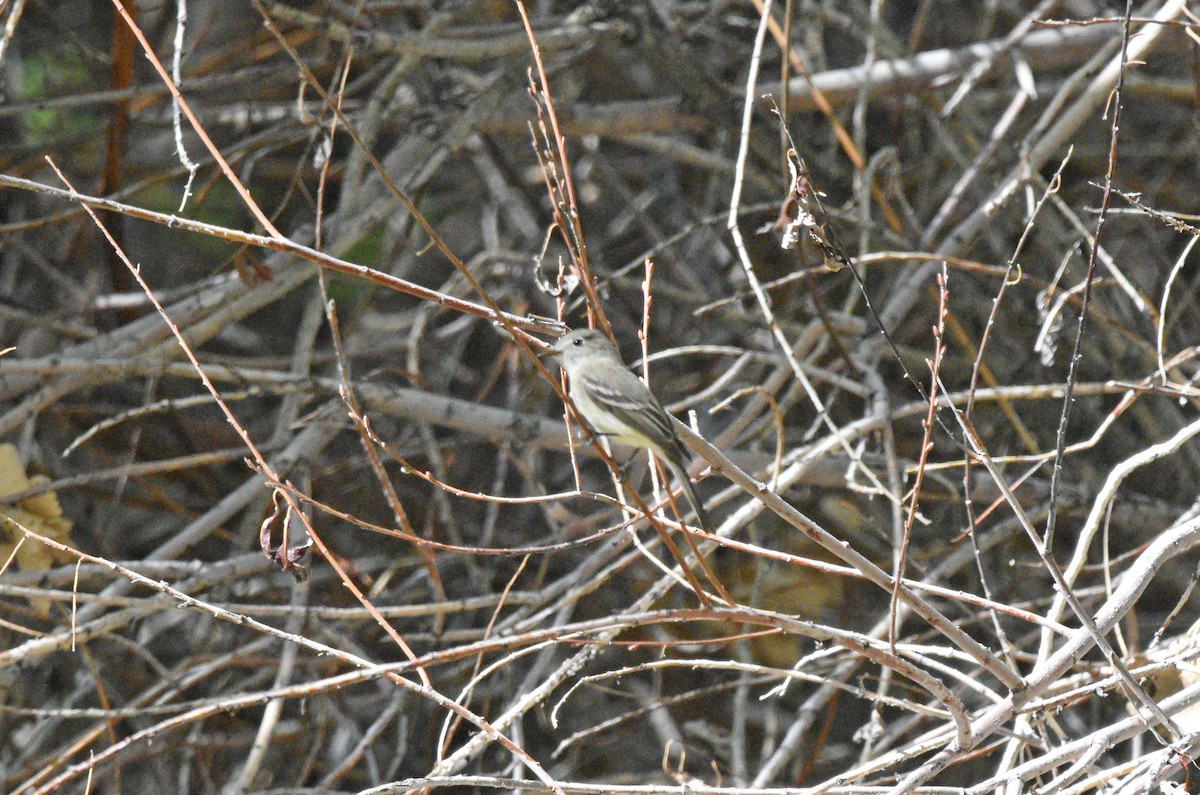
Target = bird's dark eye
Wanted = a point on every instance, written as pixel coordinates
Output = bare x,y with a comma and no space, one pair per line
576,343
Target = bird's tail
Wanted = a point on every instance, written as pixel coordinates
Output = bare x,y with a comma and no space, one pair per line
681,475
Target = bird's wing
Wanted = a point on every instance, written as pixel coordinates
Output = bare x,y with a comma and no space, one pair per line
642,411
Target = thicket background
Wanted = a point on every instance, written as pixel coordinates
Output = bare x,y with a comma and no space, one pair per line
551,649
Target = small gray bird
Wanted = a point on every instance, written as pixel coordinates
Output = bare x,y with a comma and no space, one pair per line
615,403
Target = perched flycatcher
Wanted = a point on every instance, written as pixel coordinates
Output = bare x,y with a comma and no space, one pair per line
616,404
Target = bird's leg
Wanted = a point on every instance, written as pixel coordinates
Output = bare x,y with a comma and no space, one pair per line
587,435
626,465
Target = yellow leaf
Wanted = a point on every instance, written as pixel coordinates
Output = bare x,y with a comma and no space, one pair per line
42,514
12,473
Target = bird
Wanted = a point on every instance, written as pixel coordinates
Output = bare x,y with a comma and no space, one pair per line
616,404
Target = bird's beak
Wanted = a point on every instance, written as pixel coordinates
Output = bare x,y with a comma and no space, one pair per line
548,353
